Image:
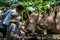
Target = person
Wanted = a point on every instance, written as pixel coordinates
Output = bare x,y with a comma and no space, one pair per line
21,30
11,30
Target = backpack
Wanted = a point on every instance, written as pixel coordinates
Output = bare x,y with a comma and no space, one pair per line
7,19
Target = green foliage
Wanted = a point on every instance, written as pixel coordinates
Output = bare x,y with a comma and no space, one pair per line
4,4
31,5
37,5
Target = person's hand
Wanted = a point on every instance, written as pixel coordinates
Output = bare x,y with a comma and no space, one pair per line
18,37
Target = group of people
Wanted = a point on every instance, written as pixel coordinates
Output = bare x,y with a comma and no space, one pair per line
12,24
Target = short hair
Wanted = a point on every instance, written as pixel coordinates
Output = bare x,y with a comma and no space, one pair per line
20,7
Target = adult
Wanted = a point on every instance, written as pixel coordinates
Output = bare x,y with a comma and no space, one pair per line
11,30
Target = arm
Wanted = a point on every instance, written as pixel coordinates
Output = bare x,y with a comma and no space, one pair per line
12,34
13,31
24,30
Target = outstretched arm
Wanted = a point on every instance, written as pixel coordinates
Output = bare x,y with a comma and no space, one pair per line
13,35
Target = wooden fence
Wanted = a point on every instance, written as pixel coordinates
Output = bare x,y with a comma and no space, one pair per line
46,37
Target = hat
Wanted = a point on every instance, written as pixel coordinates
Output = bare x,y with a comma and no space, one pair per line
16,19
